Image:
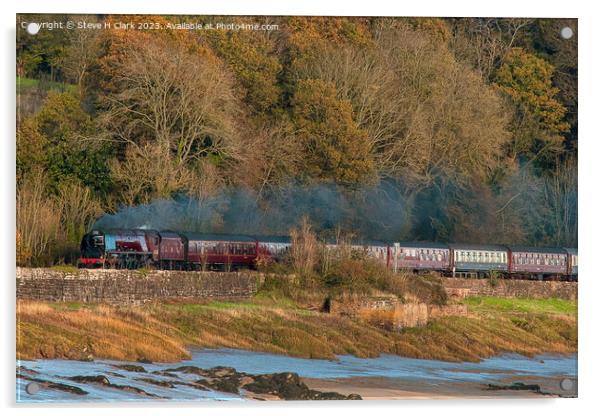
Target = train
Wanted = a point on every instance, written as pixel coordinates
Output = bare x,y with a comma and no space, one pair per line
171,250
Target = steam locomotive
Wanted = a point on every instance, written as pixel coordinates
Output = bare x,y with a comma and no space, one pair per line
138,248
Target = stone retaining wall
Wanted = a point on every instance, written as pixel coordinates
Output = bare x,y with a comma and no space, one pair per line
461,288
131,287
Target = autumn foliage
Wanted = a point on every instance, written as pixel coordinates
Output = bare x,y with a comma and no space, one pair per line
470,119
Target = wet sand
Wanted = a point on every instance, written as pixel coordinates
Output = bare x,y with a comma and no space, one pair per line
383,388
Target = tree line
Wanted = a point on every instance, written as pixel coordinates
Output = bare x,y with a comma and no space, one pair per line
473,121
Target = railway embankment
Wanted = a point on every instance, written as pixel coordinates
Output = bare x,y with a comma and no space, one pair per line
159,316
137,287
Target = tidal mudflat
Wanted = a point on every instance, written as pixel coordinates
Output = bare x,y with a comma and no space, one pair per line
235,375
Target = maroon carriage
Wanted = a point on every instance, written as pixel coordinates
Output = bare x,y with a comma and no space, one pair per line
417,256
223,252
172,251
537,261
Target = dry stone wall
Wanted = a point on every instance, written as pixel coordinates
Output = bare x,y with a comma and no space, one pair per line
131,287
461,288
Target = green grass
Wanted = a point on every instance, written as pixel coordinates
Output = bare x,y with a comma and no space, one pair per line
27,82
65,269
522,305
31,83
71,306
193,308
161,331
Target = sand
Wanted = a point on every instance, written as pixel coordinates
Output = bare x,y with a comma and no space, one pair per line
382,388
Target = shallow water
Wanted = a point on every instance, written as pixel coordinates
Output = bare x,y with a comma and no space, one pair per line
490,370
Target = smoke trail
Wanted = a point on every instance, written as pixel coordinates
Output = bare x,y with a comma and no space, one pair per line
376,213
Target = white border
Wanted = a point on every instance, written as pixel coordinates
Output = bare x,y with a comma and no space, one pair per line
590,152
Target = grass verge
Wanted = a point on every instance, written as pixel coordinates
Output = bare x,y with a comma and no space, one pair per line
522,305
162,331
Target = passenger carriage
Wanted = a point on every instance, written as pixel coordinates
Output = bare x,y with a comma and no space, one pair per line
537,261
478,260
420,256
223,252
172,251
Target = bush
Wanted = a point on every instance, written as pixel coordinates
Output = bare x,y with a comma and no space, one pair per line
427,289
360,273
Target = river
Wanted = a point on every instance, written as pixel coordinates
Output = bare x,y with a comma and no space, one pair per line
386,377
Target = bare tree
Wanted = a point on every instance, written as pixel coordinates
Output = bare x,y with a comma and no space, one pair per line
304,246
560,195
173,107
484,42
426,114
80,55
38,220
77,206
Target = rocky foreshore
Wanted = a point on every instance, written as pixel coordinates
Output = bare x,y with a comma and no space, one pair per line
276,386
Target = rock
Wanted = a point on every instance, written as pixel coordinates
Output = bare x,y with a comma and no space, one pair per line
194,386
188,369
130,367
55,386
165,373
224,379
132,389
222,372
227,385
22,369
100,379
288,386
86,358
144,360
331,395
160,383
535,388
